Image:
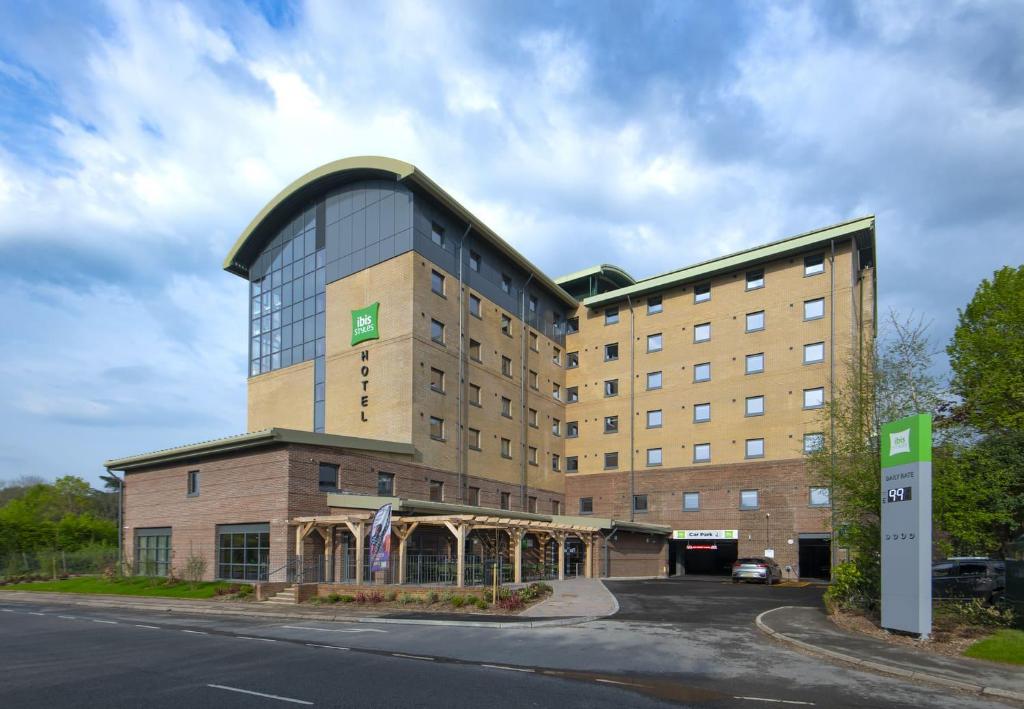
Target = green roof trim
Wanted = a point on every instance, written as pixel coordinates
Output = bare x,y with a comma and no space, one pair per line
748,257
611,273
347,169
257,439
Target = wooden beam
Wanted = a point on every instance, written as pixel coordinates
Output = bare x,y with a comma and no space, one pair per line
360,545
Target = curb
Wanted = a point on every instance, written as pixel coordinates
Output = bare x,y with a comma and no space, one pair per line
103,603
880,668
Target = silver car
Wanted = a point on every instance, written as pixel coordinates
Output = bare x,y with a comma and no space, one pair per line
756,568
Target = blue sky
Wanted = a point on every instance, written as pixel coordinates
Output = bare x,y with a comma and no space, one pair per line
138,139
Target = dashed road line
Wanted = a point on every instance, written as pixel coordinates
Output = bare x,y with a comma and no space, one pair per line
511,669
412,657
774,701
292,700
34,613
67,617
329,647
108,622
195,632
249,637
624,684
151,627
335,630
6,610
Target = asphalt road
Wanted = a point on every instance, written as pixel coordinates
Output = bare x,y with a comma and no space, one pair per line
673,643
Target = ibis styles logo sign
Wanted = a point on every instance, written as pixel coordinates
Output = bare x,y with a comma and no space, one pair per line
364,324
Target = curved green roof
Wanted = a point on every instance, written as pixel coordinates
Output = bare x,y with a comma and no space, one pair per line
339,172
609,271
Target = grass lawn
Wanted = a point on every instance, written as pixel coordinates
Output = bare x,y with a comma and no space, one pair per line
133,586
1003,646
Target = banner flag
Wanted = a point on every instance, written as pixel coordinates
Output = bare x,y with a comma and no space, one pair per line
380,539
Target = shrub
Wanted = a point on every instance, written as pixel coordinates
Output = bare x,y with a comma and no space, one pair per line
333,597
244,591
195,569
361,597
512,603
850,588
432,597
975,612
390,596
457,601
406,598
345,598
376,597
480,602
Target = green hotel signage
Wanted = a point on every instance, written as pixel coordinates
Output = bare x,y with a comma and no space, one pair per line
364,324
908,440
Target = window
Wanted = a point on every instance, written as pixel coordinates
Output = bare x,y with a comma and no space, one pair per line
611,460
556,462
820,497
611,424
506,448
813,442
153,551
572,429
755,321
639,503
506,500
814,309
572,394
506,283
531,504
533,379
534,342
474,261
437,235
755,279
586,505
755,363
654,418
474,395
437,428
533,304
474,351
532,417
572,326
192,483
814,398
437,282
243,551
437,380
506,366
702,293
436,491
691,501
556,507
702,372
572,360
506,325
755,448
611,351
556,392
701,413
556,356
611,387
814,352
474,305
654,342
437,331
611,316
755,405
701,452
473,439
328,477
506,407
702,332
654,305
531,456
748,499
386,484
653,456
654,380
473,496
572,464
813,265
556,427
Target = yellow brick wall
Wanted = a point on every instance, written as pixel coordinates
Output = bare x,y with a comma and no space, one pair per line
282,398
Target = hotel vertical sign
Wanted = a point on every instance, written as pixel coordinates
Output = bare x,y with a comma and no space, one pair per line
907,524
364,327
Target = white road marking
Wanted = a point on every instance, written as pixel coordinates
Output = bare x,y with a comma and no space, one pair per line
249,637
194,632
412,657
6,610
67,617
151,627
261,694
108,622
330,647
624,684
34,613
773,701
511,669
335,630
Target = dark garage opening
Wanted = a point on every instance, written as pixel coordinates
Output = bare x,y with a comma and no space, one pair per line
815,556
706,556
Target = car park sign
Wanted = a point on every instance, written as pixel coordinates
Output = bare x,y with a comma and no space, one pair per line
906,448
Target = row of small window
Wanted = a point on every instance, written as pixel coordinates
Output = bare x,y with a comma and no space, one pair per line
754,448
748,500
814,309
474,440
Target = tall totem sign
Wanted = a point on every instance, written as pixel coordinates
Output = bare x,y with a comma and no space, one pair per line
907,525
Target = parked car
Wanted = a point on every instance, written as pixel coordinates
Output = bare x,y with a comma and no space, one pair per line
965,578
756,568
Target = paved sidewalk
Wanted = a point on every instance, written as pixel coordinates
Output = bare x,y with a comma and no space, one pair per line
575,597
812,631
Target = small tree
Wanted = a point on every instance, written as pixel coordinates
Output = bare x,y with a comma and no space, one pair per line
195,568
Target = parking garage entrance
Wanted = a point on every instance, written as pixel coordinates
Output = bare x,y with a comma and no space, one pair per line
815,556
704,552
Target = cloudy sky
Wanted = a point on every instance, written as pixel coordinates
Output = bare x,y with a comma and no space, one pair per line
138,139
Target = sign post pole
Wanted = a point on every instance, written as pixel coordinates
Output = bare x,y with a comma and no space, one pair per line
906,448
